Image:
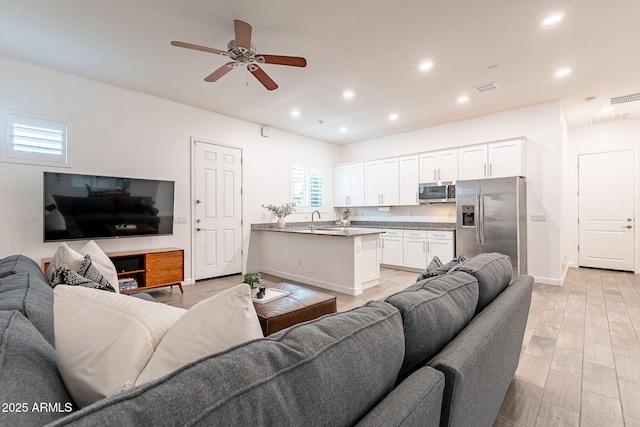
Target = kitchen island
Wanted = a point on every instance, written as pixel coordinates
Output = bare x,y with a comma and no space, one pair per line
342,259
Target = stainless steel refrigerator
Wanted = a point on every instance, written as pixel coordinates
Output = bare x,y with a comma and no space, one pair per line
492,217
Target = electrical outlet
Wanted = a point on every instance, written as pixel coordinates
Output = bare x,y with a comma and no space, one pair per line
539,218
180,220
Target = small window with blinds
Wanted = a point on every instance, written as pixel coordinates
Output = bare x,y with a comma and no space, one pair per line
307,186
35,140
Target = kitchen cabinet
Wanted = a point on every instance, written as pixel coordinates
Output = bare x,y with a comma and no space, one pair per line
392,247
382,187
494,160
348,185
440,244
415,249
439,166
409,179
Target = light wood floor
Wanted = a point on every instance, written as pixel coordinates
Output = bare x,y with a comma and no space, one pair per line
580,361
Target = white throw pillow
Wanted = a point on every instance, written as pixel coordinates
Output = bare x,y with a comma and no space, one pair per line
211,326
104,340
67,257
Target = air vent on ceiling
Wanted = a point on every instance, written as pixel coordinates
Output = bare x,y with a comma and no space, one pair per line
487,88
624,99
608,119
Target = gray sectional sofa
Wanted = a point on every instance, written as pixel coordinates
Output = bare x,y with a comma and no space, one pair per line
441,352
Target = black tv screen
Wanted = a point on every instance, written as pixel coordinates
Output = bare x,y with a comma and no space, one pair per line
93,207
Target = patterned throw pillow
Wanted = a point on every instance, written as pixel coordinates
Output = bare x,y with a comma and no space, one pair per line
430,271
89,271
88,276
443,269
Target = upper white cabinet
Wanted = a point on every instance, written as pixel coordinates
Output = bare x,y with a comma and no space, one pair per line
506,158
439,166
409,177
493,160
382,186
348,185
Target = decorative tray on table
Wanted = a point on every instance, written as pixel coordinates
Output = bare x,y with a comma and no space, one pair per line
270,295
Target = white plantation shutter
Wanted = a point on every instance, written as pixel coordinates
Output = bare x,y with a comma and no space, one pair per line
316,188
307,185
299,185
35,140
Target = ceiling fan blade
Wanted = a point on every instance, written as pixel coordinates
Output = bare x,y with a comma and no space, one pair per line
197,47
220,72
293,61
243,34
263,77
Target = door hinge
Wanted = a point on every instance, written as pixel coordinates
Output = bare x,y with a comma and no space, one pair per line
578,248
242,222
578,220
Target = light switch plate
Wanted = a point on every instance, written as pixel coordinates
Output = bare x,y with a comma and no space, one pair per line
538,218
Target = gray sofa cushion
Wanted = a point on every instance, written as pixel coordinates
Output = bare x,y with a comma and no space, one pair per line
330,371
18,264
28,375
433,312
416,401
493,272
32,296
480,363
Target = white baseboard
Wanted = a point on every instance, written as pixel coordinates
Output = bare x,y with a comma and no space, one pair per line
314,282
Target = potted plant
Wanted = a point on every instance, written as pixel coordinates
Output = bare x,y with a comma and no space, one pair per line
281,212
253,280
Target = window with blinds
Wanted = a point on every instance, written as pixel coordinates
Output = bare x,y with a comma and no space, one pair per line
35,140
307,186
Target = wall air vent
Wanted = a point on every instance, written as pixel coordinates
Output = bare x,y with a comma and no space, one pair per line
487,88
608,119
624,99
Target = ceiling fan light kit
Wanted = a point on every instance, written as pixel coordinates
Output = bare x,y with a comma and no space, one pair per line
242,52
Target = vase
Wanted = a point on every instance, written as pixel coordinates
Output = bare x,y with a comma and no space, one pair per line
281,223
254,292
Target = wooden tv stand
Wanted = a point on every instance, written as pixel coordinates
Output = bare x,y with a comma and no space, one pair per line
153,268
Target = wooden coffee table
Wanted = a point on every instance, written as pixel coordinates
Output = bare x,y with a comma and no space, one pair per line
300,305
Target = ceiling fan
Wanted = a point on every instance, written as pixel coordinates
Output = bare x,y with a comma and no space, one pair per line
242,52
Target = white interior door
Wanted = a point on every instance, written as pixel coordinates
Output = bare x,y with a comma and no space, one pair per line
606,210
217,210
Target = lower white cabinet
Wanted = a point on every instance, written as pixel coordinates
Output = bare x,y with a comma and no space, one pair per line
440,244
392,247
416,248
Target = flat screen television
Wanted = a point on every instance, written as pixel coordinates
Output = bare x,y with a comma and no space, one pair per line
82,207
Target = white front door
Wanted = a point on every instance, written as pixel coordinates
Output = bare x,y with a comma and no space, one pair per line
606,210
217,210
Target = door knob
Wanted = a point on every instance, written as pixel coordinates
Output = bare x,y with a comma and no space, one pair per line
198,229
198,201
627,226
198,221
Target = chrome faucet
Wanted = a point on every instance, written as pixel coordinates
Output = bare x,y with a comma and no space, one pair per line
313,226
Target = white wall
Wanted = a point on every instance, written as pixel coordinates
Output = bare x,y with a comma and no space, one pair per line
620,135
544,127
123,133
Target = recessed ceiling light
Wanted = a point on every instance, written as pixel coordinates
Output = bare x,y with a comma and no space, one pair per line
347,94
295,113
462,99
393,116
425,65
343,129
563,72
552,19
607,109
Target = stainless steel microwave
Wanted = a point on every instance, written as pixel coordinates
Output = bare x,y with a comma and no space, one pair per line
432,193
